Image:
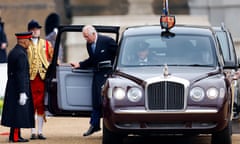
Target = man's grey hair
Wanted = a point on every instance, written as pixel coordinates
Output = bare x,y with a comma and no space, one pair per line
90,29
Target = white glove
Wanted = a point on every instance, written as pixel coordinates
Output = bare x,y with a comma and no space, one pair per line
55,30
23,99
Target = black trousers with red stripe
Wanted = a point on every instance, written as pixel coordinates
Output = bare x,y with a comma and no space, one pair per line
15,134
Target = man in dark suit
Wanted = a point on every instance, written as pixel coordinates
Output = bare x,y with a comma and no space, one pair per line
3,43
18,105
101,50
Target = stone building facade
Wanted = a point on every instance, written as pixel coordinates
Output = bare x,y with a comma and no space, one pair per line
219,11
17,13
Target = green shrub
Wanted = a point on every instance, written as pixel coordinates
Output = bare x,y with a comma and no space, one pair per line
1,105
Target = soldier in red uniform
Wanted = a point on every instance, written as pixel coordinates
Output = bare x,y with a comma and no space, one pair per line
39,55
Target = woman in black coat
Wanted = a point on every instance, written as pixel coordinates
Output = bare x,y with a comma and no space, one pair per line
18,105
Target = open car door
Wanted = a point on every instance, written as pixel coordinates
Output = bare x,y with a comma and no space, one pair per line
68,90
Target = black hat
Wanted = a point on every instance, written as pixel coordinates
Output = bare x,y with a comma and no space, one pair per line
52,22
24,35
33,24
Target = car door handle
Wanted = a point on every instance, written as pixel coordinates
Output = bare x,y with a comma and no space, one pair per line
82,70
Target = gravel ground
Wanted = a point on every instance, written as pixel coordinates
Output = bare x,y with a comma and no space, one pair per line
59,130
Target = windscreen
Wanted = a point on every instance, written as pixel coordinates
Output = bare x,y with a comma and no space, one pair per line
154,50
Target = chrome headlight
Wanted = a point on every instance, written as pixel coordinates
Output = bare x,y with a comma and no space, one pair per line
197,94
212,93
119,93
134,94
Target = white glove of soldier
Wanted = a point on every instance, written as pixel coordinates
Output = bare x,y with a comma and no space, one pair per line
23,99
55,30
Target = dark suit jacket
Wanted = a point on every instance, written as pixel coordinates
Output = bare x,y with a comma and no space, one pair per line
106,48
148,61
14,114
3,52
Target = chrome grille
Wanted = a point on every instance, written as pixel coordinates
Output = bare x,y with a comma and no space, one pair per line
165,96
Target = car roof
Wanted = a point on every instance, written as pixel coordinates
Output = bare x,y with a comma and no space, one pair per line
215,28
180,29
221,28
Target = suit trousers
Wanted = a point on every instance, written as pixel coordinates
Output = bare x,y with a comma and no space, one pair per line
99,79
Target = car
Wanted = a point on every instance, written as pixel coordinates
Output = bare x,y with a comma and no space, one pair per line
186,91
229,54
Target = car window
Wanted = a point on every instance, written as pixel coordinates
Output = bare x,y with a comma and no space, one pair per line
228,53
178,50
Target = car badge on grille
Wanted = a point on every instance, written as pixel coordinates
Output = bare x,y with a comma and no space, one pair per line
165,71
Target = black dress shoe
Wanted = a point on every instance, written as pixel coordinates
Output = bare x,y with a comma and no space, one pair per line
33,136
20,140
41,136
91,130
23,140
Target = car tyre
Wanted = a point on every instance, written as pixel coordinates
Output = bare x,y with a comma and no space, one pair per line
110,137
224,136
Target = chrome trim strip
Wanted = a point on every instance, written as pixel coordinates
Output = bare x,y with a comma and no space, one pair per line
195,111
